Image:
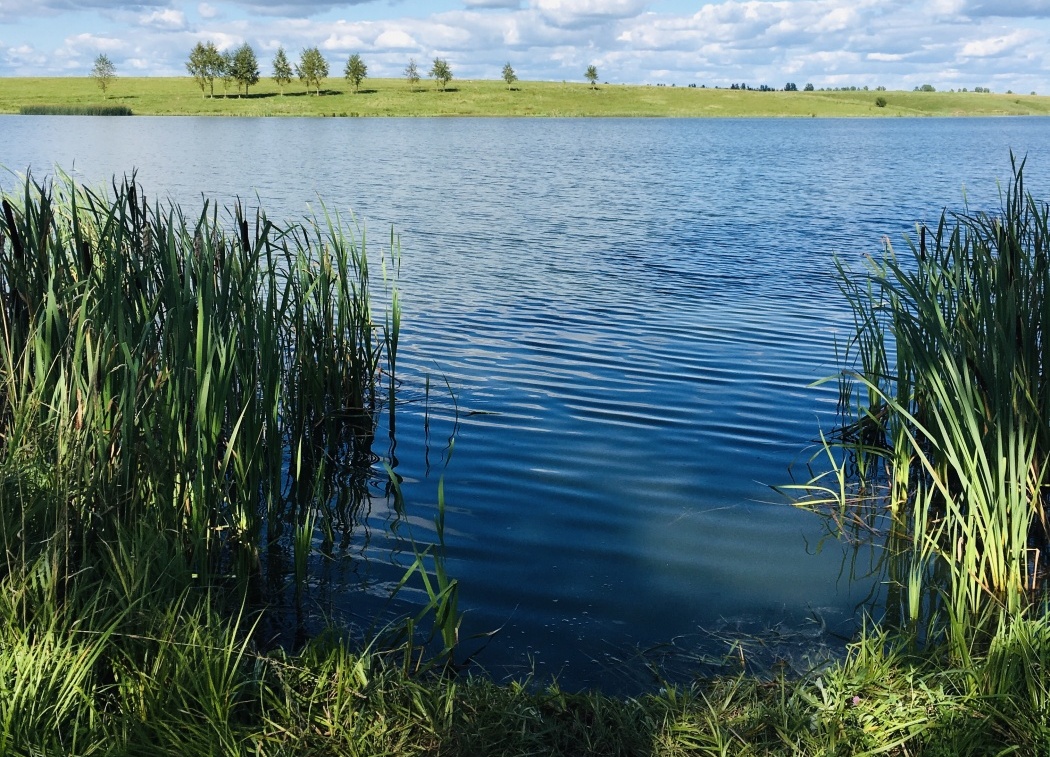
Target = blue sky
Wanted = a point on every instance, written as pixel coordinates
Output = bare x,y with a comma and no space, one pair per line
899,44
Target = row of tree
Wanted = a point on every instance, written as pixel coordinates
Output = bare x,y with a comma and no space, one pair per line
206,64
240,66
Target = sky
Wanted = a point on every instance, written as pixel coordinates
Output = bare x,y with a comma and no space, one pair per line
898,44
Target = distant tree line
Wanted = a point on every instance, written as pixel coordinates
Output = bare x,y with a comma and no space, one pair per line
239,66
207,63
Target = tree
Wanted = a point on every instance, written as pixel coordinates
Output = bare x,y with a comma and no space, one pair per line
412,73
591,75
245,67
441,72
103,72
808,88
205,63
791,87
312,68
508,75
198,66
224,71
282,69
356,71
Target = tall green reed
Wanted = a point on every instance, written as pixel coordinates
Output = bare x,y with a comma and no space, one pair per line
74,110
207,380
947,437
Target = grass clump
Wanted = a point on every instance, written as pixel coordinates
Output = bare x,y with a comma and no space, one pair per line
75,110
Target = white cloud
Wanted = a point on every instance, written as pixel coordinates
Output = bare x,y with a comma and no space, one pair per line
94,43
1010,8
576,13
204,10
504,4
837,20
395,39
993,46
169,18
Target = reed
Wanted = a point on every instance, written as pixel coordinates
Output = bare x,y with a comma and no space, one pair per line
165,370
947,443
74,110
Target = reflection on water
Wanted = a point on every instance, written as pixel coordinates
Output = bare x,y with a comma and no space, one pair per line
628,314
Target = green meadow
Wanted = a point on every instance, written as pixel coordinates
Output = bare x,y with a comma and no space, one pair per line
395,97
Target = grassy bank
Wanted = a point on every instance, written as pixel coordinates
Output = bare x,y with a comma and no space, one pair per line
115,672
394,97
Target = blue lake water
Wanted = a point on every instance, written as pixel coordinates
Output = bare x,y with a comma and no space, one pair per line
628,313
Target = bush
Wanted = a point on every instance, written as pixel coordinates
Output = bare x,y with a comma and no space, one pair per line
880,102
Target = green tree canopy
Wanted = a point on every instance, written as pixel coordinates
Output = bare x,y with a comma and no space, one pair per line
441,72
245,67
103,72
356,71
204,65
312,68
591,75
508,74
282,69
412,73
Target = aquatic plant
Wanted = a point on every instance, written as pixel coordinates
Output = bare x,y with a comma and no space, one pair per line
945,447
75,110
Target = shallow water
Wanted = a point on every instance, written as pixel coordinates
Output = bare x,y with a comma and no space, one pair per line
629,314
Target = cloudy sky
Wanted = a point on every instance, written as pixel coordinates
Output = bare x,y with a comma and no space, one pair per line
899,44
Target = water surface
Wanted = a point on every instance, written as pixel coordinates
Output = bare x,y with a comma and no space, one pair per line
629,314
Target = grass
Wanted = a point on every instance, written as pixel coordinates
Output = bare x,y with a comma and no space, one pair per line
394,97
107,671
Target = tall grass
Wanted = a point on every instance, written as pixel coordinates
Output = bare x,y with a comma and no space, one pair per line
74,110
946,452
160,369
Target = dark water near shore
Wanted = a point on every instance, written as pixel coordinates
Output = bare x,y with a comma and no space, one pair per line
629,314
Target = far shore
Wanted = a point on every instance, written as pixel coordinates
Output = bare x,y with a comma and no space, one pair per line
180,96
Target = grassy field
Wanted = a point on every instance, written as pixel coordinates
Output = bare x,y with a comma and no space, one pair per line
394,97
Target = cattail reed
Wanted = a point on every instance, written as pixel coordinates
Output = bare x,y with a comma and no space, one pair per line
218,405
948,386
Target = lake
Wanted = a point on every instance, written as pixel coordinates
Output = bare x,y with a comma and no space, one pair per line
620,321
